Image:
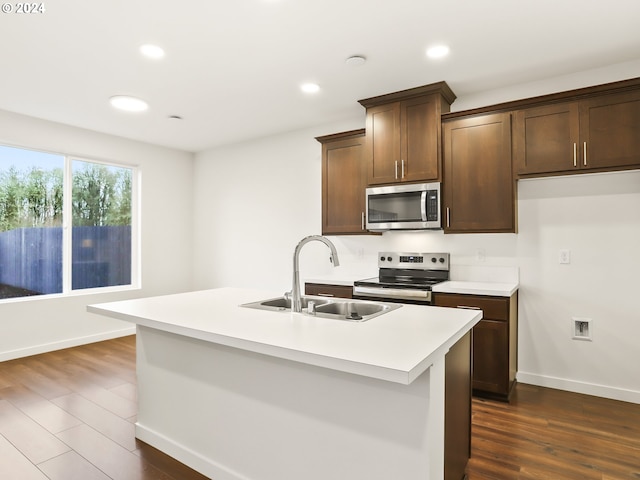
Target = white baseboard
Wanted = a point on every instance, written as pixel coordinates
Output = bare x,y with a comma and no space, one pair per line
185,455
596,390
67,343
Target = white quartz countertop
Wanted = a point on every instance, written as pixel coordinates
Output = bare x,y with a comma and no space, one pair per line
497,289
469,287
397,346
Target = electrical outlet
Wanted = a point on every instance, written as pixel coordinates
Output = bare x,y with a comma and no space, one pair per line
581,328
480,255
565,256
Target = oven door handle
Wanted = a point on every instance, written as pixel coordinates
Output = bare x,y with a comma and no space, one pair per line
391,292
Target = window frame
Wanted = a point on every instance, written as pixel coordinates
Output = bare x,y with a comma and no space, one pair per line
67,228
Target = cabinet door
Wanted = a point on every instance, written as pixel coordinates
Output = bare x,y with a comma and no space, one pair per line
478,182
491,356
610,131
383,143
545,139
343,186
419,139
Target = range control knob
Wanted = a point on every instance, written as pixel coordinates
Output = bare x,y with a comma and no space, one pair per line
441,259
389,259
433,259
382,259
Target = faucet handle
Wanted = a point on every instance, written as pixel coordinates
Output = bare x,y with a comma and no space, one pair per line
311,307
287,295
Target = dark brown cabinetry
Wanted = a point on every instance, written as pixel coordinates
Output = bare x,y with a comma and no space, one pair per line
326,290
478,181
403,134
495,341
457,409
594,134
344,180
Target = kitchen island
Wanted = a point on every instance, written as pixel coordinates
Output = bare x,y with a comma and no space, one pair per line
239,393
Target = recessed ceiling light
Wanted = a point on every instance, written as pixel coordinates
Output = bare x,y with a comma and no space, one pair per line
128,104
152,51
355,60
310,87
438,51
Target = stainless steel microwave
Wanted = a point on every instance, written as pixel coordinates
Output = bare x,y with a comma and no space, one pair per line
404,207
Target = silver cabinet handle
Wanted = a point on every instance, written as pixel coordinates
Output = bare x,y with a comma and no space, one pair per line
362,221
575,154
325,295
448,217
466,307
402,169
584,151
396,169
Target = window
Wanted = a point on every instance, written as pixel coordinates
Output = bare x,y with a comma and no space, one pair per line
65,224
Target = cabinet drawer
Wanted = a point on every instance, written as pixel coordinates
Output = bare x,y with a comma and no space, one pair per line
493,308
324,290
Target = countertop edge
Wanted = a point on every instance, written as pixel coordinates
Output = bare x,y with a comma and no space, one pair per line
135,312
343,365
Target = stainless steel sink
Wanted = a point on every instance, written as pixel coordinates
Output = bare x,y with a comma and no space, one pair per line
282,303
355,311
335,308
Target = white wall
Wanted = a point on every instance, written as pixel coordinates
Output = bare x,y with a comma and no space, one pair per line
596,217
254,201
35,325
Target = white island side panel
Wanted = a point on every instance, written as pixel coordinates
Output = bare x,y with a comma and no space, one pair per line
237,415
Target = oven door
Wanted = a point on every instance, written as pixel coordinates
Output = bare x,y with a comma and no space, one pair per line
394,295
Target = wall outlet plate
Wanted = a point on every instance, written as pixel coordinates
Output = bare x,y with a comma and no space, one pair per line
581,328
564,256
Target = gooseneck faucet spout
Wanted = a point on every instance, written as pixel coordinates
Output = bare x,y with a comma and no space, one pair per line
296,299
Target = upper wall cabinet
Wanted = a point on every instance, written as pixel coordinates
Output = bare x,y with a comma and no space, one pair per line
478,182
595,134
344,181
403,134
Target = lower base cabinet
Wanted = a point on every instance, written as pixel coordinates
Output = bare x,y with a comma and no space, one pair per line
457,402
494,344
325,290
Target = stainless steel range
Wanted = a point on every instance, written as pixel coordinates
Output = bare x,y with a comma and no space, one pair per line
404,277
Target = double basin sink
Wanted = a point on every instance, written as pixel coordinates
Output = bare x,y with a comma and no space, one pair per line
334,308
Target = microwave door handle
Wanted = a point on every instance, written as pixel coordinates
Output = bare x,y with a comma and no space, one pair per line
423,205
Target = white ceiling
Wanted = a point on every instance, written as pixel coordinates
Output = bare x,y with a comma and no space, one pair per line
232,69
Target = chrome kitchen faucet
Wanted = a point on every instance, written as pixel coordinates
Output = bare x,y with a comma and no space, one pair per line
296,302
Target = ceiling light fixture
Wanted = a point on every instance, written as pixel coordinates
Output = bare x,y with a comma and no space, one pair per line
310,87
356,60
438,51
152,51
128,104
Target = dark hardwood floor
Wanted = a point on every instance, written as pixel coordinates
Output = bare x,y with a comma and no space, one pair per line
69,415
551,434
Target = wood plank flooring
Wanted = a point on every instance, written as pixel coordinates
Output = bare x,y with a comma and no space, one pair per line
69,415
551,434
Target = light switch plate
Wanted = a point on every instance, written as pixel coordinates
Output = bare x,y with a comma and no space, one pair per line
564,256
